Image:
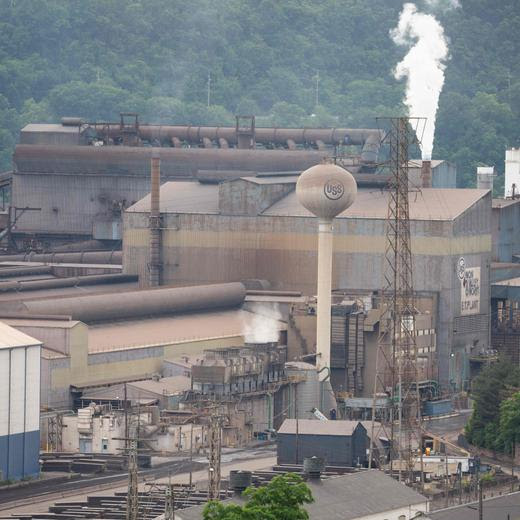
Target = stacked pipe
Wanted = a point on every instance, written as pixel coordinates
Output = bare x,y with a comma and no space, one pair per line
155,222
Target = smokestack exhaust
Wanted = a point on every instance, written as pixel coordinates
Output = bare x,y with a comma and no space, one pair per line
155,222
426,174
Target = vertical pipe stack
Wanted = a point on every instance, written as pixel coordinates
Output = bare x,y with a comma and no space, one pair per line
155,222
426,174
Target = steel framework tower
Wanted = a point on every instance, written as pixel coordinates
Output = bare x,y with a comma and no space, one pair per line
132,499
396,360
214,442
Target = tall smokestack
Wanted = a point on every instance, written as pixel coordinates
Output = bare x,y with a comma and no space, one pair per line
426,174
155,222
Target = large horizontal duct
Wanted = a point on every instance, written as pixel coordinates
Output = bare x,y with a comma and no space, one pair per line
84,257
134,304
176,163
265,136
74,281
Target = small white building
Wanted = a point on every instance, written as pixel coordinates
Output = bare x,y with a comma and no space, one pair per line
19,404
512,172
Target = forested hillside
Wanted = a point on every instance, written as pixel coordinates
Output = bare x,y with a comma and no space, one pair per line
95,58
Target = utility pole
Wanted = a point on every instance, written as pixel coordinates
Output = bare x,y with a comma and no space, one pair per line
317,89
447,483
126,415
214,456
132,500
513,453
209,88
169,501
396,359
297,422
480,505
191,455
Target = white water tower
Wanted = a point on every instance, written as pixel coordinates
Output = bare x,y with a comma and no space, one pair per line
325,190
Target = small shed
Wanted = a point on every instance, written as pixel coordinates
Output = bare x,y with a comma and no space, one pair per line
339,443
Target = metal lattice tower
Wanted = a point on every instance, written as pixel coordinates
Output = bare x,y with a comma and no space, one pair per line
132,500
169,502
215,446
396,361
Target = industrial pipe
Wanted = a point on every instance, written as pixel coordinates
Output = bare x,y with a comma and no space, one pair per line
74,281
11,272
134,304
85,257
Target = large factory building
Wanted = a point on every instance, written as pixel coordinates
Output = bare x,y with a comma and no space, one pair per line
254,228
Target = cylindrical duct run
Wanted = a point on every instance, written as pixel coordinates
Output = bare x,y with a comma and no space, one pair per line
133,304
82,257
155,222
426,174
485,176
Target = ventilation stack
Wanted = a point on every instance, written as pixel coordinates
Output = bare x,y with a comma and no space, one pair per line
155,222
485,176
426,174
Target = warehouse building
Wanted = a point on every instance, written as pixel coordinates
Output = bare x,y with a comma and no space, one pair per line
338,443
19,404
254,228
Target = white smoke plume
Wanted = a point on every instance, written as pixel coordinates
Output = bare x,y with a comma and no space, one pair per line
443,4
262,328
423,67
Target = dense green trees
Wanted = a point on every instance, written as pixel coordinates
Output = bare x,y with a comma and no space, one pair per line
281,499
496,414
94,58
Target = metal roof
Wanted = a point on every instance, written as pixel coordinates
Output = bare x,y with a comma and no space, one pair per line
12,338
317,427
346,497
51,127
169,330
504,203
506,506
293,179
183,197
425,204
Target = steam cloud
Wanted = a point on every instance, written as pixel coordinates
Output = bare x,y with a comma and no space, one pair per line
262,328
423,66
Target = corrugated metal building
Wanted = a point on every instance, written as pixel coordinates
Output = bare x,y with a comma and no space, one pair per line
19,404
202,242
339,443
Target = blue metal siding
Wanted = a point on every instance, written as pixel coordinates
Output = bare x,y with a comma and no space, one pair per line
19,455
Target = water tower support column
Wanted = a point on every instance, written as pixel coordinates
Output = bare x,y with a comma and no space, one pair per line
325,240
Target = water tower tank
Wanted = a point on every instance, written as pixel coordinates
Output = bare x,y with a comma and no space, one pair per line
326,190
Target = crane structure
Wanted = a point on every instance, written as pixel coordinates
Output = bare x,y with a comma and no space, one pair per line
396,377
